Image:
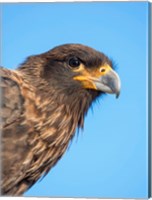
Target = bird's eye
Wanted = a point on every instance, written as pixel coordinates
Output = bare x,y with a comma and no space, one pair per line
74,62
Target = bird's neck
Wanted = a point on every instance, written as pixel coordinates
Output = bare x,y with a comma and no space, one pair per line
67,108
56,120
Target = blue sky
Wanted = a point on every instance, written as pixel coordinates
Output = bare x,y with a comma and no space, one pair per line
110,157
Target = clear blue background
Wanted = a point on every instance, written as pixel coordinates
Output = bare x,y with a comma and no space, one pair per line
109,158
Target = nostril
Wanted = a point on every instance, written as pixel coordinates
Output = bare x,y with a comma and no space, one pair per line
102,70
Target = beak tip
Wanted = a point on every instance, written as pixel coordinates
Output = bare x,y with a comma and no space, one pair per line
117,95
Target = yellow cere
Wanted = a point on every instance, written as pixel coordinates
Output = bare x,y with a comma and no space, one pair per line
104,69
87,76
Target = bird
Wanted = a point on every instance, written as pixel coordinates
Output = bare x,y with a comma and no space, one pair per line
44,101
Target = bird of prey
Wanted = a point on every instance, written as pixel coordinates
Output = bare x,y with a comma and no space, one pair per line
43,102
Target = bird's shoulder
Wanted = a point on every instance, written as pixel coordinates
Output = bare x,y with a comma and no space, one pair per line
11,98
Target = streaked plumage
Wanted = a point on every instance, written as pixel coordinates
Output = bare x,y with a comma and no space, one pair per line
43,102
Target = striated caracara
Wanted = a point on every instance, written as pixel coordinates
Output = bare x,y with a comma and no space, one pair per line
43,102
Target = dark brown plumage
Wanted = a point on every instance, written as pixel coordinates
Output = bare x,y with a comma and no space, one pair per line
43,102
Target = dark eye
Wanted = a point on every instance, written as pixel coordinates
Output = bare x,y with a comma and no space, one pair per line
74,62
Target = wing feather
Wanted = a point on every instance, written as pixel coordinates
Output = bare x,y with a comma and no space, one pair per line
14,148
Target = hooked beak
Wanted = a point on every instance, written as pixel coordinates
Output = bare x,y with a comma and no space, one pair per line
108,83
